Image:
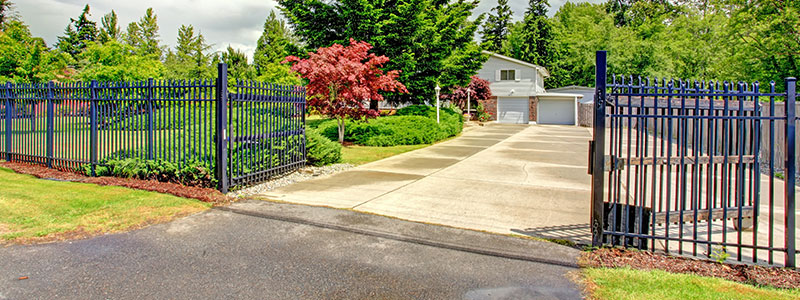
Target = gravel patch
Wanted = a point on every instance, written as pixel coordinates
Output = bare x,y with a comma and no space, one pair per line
305,173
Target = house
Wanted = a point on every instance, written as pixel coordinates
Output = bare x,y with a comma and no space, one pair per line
519,97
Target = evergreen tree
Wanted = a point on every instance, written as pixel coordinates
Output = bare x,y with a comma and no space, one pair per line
109,29
275,44
496,28
238,68
532,39
143,35
78,34
190,59
418,36
6,12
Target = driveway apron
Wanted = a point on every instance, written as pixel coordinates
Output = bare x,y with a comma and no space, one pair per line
519,179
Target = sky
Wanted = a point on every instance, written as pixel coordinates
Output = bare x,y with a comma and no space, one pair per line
237,23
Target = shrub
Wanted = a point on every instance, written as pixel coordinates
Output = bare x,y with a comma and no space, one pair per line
194,173
411,125
321,150
483,116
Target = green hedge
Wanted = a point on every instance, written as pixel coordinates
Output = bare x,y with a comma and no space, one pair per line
412,125
321,150
193,173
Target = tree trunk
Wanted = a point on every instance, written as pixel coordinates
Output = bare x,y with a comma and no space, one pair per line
340,122
373,104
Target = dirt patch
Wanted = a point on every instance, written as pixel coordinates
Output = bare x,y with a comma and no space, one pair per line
202,194
643,260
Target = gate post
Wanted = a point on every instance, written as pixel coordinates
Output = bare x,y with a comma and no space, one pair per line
598,149
791,168
50,123
9,108
93,127
221,127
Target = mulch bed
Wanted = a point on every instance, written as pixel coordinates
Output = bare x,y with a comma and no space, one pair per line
643,260
202,194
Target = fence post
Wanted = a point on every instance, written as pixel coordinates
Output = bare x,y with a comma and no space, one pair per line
221,126
50,123
9,108
150,139
598,149
93,127
791,168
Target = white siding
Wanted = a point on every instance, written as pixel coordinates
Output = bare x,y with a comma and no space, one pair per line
491,68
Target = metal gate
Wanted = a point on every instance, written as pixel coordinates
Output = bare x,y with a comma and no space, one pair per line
262,131
690,167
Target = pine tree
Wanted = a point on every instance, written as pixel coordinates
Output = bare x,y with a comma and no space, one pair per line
189,59
496,28
6,12
78,34
275,43
238,68
532,39
143,35
109,29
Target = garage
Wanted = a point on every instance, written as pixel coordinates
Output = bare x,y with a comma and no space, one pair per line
513,110
557,110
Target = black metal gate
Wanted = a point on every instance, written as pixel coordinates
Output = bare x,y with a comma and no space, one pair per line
261,131
690,167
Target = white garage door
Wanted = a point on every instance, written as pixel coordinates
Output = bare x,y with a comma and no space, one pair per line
557,111
512,110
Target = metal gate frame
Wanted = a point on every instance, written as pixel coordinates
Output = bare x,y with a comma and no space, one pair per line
602,165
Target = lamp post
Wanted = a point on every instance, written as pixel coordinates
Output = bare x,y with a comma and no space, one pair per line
469,91
437,102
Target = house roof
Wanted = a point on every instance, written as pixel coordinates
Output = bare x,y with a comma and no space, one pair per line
561,95
539,68
572,87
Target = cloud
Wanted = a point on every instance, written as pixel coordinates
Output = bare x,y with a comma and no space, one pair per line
237,23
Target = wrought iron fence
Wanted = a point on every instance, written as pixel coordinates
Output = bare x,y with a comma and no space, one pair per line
70,125
677,167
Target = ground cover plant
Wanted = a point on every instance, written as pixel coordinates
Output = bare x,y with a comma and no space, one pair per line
33,209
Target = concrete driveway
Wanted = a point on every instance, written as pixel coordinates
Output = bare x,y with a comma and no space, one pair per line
519,179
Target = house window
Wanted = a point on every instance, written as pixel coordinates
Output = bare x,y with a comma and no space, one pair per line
507,75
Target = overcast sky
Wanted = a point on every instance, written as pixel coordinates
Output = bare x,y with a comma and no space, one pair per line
223,22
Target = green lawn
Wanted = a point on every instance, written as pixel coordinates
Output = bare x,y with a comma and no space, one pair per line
359,155
32,208
610,284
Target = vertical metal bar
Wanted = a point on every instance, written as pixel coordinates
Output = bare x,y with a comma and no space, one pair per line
93,129
771,148
150,135
599,148
791,168
221,127
9,107
50,124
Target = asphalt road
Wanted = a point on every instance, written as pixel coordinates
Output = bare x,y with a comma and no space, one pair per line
230,254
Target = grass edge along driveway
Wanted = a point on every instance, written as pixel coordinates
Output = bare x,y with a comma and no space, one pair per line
38,210
626,283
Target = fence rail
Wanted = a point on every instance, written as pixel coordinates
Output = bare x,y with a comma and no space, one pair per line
85,124
690,168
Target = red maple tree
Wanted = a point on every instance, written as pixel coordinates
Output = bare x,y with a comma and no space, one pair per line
479,91
342,78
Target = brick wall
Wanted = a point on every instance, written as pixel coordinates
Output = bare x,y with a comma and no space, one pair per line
490,105
533,102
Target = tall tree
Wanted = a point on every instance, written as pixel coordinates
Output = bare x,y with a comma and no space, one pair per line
238,68
340,78
534,36
78,33
143,35
109,29
419,35
495,29
6,12
275,44
190,59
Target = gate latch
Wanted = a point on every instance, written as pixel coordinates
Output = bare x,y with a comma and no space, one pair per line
612,163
